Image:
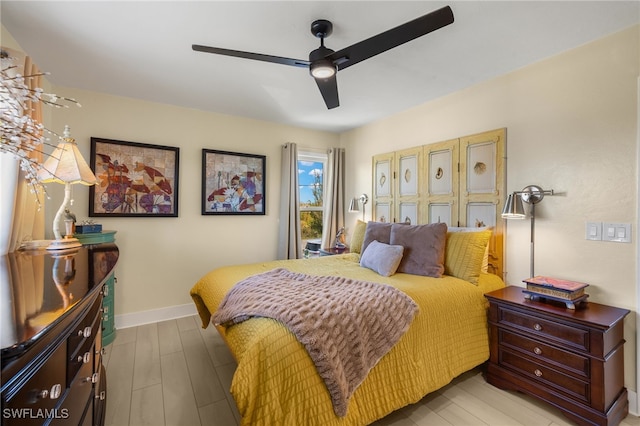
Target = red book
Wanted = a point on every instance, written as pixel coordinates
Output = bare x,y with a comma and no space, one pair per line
555,283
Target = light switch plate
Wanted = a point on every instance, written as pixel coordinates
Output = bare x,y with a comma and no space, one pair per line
593,231
616,232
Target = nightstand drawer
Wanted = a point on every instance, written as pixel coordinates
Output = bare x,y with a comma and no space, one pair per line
578,365
564,383
545,329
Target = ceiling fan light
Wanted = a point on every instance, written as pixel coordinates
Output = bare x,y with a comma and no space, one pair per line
322,69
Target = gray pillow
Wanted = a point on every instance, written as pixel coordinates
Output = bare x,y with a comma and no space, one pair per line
382,258
379,231
423,248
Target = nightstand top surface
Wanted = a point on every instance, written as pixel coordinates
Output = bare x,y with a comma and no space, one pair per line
590,312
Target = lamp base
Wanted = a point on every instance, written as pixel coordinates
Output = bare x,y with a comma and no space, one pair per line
64,244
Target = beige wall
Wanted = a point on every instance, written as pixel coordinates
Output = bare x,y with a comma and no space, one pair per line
571,126
161,258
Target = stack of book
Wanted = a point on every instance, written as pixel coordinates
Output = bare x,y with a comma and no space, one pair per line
570,292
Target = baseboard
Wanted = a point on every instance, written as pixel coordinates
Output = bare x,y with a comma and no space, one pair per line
155,315
633,403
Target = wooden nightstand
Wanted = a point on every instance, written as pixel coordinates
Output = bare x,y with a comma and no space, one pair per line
572,359
330,251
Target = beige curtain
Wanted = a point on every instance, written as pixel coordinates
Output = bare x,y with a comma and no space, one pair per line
22,219
334,204
289,238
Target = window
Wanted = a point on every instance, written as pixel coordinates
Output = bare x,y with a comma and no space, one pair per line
311,171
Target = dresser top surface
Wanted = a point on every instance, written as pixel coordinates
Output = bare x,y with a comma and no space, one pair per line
591,313
39,287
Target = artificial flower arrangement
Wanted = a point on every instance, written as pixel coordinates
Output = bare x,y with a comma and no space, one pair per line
22,134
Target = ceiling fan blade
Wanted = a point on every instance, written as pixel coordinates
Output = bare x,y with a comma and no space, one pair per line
392,38
329,90
248,55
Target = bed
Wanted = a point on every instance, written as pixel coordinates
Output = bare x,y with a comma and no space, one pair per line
277,383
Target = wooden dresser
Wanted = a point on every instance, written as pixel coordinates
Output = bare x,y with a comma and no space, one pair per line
51,338
572,359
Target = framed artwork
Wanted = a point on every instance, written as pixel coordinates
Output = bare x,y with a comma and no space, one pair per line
481,214
440,179
440,212
134,179
382,212
408,213
383,178
408,175
481,168
233,183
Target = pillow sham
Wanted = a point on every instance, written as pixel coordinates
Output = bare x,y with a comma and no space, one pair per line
424,247
379,231
357,237
485,259
464,254
382,258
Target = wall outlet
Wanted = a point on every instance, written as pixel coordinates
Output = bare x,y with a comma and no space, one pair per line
593,231
616,232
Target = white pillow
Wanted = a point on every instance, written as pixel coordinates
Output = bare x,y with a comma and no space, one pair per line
485,259
382,258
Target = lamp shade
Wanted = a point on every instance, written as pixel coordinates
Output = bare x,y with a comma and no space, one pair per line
353,206
66,164
513,207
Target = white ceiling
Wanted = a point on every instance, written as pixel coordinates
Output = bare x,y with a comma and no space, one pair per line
143,50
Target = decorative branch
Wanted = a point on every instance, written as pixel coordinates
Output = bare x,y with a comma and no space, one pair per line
21,134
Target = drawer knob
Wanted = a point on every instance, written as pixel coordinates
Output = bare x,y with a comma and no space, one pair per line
538,373
85,332
54,393
84,358
537,350
537,327
102,396
92,378
105,290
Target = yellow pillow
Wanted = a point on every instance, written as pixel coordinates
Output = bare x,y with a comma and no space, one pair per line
464,253
357,237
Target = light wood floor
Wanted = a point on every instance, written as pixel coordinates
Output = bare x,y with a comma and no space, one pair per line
176,373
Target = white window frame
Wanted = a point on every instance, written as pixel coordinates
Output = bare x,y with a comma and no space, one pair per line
318,158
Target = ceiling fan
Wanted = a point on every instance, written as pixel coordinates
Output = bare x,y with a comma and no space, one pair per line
324,63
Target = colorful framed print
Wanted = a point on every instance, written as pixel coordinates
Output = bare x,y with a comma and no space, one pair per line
233,183
134,179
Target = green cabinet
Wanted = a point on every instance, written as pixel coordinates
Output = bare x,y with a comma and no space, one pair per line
108,313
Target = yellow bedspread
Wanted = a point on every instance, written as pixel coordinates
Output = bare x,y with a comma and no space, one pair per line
276,382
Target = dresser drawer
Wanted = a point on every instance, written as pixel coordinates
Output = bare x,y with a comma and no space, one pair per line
577,338
80,341
568,385
576,364
40,394
80,394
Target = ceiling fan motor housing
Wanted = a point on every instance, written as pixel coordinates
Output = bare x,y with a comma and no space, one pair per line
320,66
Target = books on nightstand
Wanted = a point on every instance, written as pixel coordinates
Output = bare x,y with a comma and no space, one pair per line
570,292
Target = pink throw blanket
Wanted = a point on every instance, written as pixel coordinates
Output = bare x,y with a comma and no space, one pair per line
346,325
